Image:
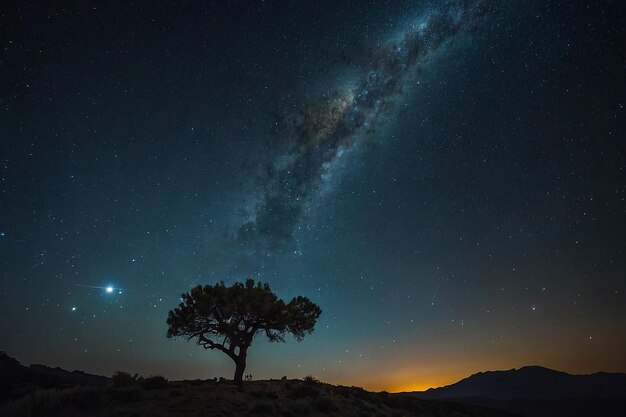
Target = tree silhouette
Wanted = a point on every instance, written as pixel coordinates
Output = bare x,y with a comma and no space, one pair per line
228,318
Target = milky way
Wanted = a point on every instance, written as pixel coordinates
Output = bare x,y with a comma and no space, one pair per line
322,130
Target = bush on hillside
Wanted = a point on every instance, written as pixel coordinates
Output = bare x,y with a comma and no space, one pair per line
124,379
154,382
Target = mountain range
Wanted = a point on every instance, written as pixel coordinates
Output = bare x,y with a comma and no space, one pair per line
535,391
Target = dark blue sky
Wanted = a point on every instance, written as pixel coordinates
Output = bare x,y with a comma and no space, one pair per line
445,179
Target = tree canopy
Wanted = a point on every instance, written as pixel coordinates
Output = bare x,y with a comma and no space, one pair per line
228,318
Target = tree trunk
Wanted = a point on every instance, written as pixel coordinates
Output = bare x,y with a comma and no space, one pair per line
240,367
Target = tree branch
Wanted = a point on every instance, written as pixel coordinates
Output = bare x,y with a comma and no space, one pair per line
209,344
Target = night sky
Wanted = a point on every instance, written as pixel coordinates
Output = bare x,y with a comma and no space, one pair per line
446,179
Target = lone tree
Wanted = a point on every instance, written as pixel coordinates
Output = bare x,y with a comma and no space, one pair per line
228,318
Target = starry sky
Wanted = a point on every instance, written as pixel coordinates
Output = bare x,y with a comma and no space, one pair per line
446,179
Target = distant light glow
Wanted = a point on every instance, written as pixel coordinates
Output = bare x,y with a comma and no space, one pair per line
109,289
73,308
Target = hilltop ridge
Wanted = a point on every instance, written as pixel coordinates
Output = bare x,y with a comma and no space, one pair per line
43,391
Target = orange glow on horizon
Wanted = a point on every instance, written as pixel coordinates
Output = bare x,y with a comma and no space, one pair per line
414,387
411,384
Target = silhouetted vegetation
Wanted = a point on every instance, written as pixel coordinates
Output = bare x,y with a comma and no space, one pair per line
124,379
228,318
310,379
154,382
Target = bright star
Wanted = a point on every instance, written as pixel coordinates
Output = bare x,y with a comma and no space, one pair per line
73,308
109,289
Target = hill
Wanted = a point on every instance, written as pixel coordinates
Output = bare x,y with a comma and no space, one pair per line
209,398
39,390
536,391
17,380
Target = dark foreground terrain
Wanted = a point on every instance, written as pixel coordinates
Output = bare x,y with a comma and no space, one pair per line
209,398
37,390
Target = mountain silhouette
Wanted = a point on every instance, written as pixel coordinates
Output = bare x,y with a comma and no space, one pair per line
17,379
532,382
537,391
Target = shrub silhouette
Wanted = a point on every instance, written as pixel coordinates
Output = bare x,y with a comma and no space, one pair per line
154,382
228,318
124,379
311,379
